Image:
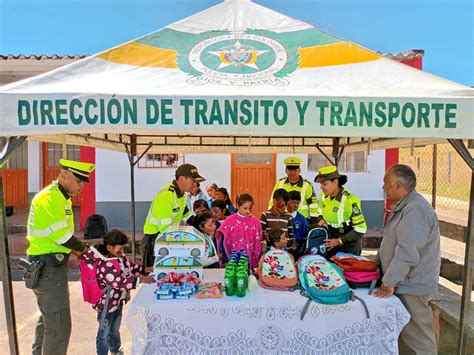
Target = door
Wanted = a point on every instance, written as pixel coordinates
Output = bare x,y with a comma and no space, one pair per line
254,174
51,153
15,177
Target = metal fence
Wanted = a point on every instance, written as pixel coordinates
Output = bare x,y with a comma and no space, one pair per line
442,176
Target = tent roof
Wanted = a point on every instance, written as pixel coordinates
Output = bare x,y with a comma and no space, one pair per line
236,70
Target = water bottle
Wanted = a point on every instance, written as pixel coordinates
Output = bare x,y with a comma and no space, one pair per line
244,262
242,279
234,256
230,278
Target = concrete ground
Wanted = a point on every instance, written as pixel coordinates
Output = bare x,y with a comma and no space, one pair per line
84,322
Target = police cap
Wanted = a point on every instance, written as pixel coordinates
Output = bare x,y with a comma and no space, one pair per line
294,162
328,173
79,169
189,171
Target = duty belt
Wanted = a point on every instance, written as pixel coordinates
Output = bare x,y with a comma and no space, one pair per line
52,260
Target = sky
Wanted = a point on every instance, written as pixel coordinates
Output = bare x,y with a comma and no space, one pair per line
444,29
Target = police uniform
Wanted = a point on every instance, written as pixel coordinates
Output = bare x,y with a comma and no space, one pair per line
168,207
343,215
50,233
309,205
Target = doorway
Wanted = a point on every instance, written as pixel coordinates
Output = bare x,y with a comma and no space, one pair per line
254,174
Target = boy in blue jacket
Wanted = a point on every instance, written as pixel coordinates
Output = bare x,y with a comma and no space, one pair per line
299,221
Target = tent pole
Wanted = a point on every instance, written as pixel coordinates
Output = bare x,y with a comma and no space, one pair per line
131,153
7,278
465,310
12,144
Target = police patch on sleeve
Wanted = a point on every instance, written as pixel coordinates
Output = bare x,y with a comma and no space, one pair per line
356,210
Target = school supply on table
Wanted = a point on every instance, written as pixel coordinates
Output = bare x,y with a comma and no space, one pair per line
210,290
177,286
277,270
315,241
323,282
236,274
358,270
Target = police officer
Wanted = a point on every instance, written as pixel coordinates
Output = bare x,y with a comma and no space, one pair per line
340,211
50,234
168,207
295,182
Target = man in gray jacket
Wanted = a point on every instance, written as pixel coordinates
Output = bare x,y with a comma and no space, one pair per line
410,258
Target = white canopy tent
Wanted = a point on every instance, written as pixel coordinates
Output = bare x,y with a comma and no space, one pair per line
238,77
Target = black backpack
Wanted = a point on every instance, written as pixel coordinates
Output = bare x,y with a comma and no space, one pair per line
96,227
315,241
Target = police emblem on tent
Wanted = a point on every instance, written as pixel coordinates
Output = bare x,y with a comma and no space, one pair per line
239,59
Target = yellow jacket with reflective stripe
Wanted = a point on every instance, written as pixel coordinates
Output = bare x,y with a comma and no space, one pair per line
166,209
305,188
343,211
50,222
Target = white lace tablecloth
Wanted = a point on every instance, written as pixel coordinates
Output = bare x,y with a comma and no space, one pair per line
265,321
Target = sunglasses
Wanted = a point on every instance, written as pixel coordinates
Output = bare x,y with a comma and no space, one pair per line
293,168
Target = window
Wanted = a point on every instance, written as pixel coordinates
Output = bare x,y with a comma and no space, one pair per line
55,152
155,160
19,158
353,162
253,158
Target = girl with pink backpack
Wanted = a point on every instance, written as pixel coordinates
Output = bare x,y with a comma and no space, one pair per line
115,277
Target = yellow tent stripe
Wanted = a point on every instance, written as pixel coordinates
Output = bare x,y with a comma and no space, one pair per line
334,54
141,55
319,56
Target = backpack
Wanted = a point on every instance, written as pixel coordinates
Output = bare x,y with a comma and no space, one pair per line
323,282
277,270
358,270
96,227
91,290
315,241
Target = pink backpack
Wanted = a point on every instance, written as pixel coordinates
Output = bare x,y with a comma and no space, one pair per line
90,285
361,278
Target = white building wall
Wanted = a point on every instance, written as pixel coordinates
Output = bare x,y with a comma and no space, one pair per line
34,167
113,175
366,185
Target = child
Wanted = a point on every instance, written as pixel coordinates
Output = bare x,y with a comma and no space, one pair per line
205,223
277,218
277,239
222,194
242,231
300,223
199,206
195,195
219,210
120,282
211,191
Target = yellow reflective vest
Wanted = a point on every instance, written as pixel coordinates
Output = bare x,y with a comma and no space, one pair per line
50,222
167,208
342,211
309,203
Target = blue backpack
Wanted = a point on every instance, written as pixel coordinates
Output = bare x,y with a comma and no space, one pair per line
323,282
